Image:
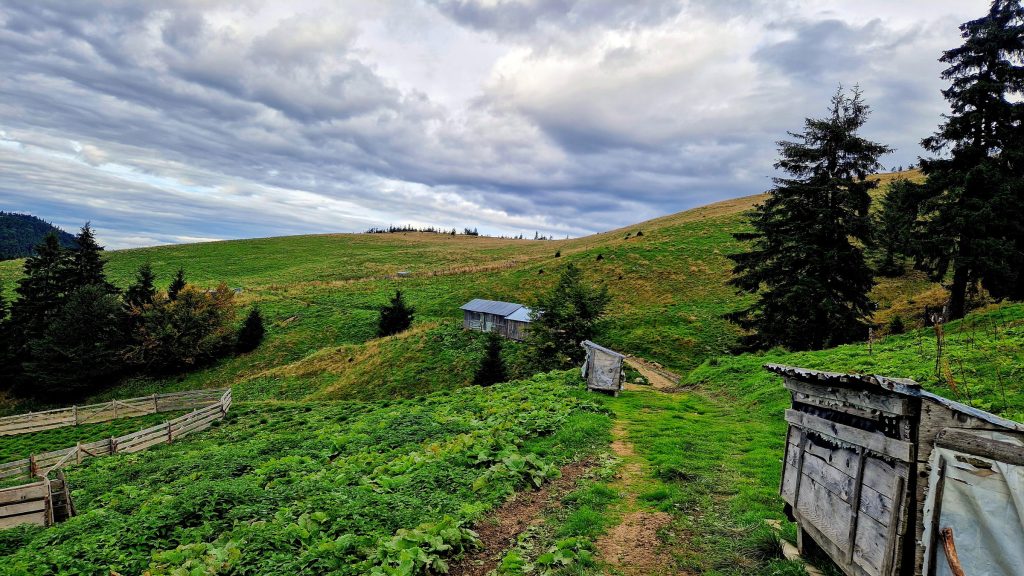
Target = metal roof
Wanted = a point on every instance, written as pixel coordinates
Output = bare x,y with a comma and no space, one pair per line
491,307
521,315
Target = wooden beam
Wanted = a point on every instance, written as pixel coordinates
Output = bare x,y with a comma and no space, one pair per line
978,445
873,441
895,405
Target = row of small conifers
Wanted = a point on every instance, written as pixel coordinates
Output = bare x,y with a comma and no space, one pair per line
32,503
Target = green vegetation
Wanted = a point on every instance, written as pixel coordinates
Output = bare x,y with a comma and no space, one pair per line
20,233
21,446
311,488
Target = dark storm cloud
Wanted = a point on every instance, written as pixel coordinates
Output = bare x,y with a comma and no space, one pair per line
172,121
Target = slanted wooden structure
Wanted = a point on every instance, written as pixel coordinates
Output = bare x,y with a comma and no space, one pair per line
506,318
891,480
602,368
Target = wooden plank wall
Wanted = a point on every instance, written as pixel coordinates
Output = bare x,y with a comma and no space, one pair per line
75,415
164,433
28,504
848,486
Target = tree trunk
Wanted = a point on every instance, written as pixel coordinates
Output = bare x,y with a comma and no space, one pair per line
958,293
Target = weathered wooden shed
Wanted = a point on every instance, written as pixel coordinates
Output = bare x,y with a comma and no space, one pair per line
506,318
602,368
891,480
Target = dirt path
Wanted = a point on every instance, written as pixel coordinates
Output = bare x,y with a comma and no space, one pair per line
633,548
660,379
498,532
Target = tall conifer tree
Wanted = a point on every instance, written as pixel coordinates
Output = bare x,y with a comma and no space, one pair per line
87,261
177,285
810,279
46,284
142,291
974,219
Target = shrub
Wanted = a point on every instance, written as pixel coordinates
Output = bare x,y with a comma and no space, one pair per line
252,331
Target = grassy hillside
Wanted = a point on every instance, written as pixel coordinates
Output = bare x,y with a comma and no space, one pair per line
320,295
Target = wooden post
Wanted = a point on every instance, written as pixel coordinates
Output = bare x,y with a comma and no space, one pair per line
75,410
114,404
32,465
113,445
156,404
78,453
858,483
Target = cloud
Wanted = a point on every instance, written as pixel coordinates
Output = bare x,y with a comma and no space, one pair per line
177,120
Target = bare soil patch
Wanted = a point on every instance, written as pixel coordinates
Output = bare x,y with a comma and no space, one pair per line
499,532
659,378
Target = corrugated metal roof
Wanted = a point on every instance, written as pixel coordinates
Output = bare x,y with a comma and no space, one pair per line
521,315
491,307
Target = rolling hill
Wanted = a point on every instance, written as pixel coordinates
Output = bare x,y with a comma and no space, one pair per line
346,448
20,233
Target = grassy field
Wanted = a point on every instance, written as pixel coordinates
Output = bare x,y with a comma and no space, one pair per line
341,440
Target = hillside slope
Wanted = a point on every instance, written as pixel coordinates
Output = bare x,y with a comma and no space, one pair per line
20,233
320,293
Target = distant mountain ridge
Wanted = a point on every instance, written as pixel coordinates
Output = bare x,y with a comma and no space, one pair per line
20,233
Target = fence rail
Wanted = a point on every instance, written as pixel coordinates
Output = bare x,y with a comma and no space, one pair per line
92,413
40,465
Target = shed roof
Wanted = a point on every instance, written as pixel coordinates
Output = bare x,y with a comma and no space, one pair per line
521,315
902,386
491,307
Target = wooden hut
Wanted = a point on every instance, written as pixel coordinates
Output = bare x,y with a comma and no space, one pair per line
506,318
602,368
891,480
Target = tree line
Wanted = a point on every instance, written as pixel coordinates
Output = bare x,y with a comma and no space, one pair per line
816,246
70,332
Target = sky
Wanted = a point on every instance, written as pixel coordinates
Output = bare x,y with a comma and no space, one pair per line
191,120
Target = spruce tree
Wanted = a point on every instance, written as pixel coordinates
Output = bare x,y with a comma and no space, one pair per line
251,334
810,278
142,291
973,221
177,285
80,350
47,281
7,364
894,225
492,367
87,261
564,317
395,317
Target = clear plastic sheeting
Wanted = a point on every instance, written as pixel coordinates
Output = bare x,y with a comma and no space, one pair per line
602,368
982,500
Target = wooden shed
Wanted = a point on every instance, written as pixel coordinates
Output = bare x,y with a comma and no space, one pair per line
890,480
506,318
602,368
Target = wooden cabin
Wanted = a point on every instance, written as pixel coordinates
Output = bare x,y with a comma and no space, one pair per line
506,318
891,480
602,368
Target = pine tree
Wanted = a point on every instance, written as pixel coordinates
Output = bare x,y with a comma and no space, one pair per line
177,285
564,317
251,334
395,316
894,225
142,291
492,368
87,261
80,349
7,364
42,290
811,281
974,219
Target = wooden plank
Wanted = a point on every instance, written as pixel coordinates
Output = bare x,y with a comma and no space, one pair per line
199,424
858,485
829,396
828,547
976,445
871,546
143,445
874,442
892,534
827,512
19,508
32,491
37,518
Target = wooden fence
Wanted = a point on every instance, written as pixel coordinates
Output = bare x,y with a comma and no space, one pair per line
91,413
40,465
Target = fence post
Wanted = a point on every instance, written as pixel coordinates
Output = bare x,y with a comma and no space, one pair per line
114,404
32,466
75,410
78,452
113,445
156,404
